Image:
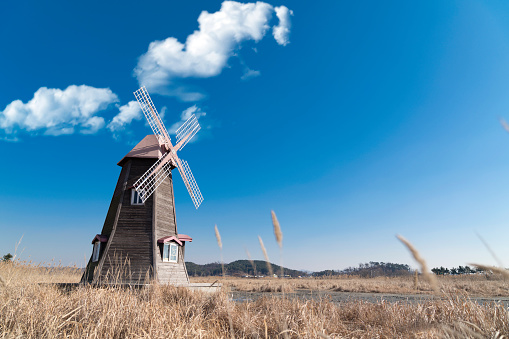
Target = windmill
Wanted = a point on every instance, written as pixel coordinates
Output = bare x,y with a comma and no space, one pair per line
139,239
148,183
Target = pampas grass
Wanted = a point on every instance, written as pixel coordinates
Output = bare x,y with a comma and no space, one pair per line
218,237
277,230
494,269
30,310
504,124
279,238
266,256
424,267
475,285
220,245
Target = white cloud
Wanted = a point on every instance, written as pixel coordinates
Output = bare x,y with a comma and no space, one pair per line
162,112
281,32
129,112
55,112
186,114
207,50
249,74
93,125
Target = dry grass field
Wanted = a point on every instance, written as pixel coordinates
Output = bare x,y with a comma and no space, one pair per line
29,309
485,285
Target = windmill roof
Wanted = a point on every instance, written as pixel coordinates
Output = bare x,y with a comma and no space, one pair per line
147,148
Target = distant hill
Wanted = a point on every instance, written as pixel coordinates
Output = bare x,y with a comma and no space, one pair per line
239,268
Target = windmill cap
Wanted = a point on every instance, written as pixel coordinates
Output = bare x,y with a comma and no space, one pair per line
148,148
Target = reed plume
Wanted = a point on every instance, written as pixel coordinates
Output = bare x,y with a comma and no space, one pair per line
493,269
504,124
488,247
277,229
269,266
220,244
424,267
218,237
279,238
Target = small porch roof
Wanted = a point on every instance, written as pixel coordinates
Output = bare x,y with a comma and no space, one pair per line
178,239
101,238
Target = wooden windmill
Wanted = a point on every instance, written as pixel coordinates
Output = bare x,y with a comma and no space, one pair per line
139,239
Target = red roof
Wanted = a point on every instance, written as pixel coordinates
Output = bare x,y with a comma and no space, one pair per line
101,238
147,148
184,237
178,239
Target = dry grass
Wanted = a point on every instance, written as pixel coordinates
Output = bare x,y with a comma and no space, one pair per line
26,272
31,310
488,285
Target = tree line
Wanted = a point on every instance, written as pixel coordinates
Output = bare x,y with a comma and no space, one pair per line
456,270
370,270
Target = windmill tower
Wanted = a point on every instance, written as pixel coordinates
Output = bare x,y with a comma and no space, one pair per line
139,239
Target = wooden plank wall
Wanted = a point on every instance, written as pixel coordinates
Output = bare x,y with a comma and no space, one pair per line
132,254
129,256
88,274
165,224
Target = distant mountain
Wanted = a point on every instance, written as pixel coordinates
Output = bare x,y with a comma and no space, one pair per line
239,268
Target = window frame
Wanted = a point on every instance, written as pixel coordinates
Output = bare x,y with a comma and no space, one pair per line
166,252
167,246
96,251
138,202
173,245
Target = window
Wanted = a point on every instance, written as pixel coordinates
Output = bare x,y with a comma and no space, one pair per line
170,252
95,253
135,198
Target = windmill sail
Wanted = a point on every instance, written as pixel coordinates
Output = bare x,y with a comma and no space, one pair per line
191,185
148,182
153,118
187,131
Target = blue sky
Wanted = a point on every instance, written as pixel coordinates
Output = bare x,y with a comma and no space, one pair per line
356,122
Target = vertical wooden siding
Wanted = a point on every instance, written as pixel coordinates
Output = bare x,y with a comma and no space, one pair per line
166,225
132,253
109,222
129,256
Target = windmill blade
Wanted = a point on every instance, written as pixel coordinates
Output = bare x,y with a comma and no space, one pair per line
153,177
190,182
153,118
187,131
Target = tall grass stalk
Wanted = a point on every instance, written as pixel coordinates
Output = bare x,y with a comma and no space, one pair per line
279,238
266,256
488,247
424,267
494,269
251,261
30,310
220,244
